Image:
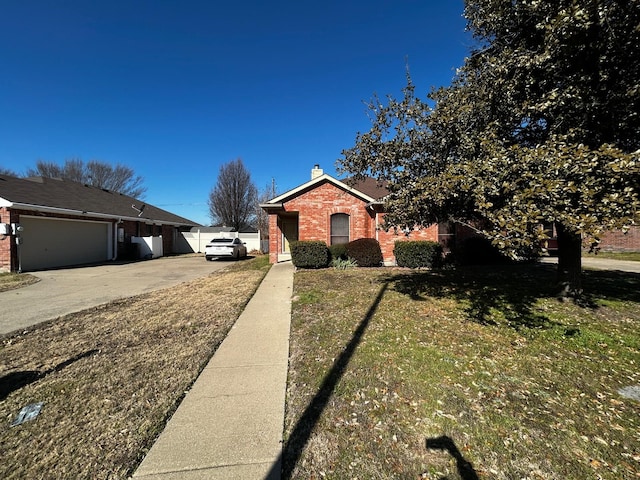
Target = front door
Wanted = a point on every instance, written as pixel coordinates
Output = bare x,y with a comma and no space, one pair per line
289,233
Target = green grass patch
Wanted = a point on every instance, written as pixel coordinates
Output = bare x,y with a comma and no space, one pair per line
482,365
633,256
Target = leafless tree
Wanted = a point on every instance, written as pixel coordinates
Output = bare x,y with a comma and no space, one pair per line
6,171
118,178
262,219
232,201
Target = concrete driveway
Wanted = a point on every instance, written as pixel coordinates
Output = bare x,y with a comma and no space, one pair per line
68,290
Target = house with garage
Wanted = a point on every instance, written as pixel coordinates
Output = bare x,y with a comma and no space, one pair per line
50,223
335,211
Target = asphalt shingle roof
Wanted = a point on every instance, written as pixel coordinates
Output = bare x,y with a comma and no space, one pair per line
84,199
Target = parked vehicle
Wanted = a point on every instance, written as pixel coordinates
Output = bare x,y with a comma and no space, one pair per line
225,247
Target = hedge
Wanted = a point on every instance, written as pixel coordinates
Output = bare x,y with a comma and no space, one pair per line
418,253
365,251
309,254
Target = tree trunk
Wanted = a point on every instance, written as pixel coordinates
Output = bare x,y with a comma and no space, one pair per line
569,263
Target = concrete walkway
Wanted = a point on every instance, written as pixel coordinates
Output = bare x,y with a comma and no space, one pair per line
230,423
603,264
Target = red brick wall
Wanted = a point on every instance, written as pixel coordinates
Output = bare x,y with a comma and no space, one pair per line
616,241
388,239
275,238
5,243
167,239
316,206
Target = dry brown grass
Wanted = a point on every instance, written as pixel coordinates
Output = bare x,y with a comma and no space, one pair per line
11,281
111,376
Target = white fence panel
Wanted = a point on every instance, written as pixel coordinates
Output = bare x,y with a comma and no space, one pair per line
150,247
198,240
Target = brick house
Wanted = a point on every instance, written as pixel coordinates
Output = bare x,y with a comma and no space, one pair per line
334,211
619,241
48,223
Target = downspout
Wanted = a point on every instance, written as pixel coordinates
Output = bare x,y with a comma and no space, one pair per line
115,239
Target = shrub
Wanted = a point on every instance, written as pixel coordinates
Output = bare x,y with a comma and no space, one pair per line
365,251
479,251
416,254
338,251
309,254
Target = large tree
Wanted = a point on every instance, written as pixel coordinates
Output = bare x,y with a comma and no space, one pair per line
232,201
118,178
540,125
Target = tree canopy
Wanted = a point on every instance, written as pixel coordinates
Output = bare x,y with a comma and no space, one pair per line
233,199
118,178
539,125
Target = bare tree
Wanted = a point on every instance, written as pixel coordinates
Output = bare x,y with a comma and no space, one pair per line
6,171
118,178
232,201
262,218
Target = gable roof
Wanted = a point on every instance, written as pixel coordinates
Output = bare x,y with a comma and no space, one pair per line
369,186
55,195
368,190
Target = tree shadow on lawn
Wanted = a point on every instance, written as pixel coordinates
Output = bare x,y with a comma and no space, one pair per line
510,292
16,380
444,443
297,441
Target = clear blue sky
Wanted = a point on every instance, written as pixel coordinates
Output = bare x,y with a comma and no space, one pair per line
174,89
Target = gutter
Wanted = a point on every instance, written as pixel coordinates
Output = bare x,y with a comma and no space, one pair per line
271,206
375,202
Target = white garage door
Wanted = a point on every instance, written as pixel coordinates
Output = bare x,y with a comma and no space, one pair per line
48,243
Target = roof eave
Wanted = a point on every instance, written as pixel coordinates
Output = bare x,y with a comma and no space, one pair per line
84,213
279,200
272,206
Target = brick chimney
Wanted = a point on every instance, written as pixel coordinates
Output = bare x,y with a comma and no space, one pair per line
316,171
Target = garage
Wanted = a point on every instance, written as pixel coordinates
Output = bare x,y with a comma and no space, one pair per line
57,242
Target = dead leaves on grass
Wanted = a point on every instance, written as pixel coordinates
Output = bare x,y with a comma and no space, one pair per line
526,402
102,411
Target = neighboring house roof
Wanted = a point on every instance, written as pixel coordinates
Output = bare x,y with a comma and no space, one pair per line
368,190
54,195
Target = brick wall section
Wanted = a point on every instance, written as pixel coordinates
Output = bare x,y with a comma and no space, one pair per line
616,241
275,238
7,244
388,239
316,206
167,239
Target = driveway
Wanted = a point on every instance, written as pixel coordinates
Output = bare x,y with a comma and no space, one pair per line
68,290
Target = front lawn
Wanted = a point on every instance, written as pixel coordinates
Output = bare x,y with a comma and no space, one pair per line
478,373
110,376
631,256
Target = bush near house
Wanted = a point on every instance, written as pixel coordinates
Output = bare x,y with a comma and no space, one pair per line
338,251
417,254
309,254
365,251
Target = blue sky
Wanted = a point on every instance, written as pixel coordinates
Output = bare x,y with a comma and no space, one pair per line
174,89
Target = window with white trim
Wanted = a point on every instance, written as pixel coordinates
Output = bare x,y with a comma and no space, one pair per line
339,228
